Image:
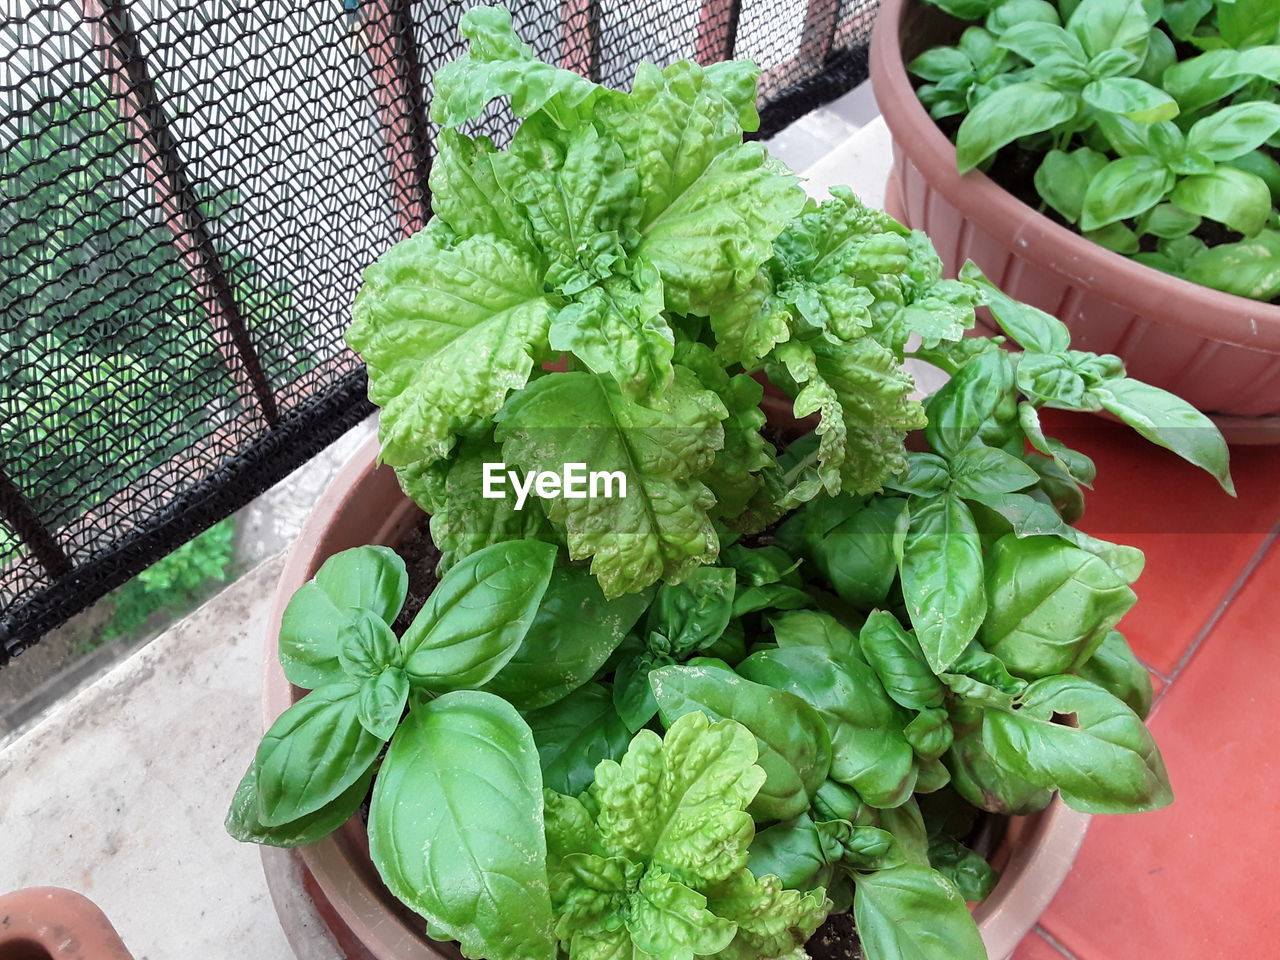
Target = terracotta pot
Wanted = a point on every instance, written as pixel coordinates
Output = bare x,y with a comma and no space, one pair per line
364,505
1220,352
50,923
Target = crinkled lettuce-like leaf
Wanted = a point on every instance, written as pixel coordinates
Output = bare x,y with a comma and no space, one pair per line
499,64
863,398
466,194
771,921
447,332
661,528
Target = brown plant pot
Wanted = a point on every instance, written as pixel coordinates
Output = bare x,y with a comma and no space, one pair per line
50,923
364,505
1218,351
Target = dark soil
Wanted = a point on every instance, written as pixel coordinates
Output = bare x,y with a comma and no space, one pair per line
835,940
420,556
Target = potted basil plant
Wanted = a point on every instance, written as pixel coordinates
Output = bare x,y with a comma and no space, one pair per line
781,696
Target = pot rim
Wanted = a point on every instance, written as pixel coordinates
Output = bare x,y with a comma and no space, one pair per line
1045,844
1180,304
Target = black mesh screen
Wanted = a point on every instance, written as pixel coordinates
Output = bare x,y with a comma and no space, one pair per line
189,192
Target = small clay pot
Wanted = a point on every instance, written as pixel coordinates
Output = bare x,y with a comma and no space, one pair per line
1218,351
364,505
50,923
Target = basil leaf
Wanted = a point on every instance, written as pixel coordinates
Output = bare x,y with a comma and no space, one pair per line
1050,379
693,613
1036,42
365,645
1250,268
809,628
371,578
458,788
1105,25
1170,422
1051,605
1116,237
792,852
1247,23
382,702
633,698
980,471
795,748
572,635
1134,98
942,578
859,556
1235,130
1203,80
1062,180
896,657
576,733
940,63
969,873
1115,669
1168,221
244,823
967,402
1011,112
1107,764
1124,188
869,751
1229,196
1011,13
913,911
312,753
977,777
477,616
929,734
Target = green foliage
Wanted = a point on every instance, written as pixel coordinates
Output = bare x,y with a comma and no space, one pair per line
620,731
1141,138
172,582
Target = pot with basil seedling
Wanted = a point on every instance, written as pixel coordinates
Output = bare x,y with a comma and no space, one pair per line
753,702
1114,163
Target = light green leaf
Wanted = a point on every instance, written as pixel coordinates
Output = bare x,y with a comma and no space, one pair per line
1170,422
680,801
868,749
446,333
365,645
477,616
1105,25
459,788
1249,268
1062,179
382,701
1134,98
980,471
1011,112
772,922
1235,130
1229,196
498,64
863,398
618,329
661,528
466,194
1124,188
1029,326
942,574
897,659
795,748
1115,669
244,823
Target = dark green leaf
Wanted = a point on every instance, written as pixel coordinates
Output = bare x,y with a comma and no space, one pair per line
981,471
244,823
576,733
896,657
1232,197
1114,668
1108,763
1124,188
1062,180
572,635
969,873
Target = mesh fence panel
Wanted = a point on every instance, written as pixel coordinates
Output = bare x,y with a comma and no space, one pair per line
189,192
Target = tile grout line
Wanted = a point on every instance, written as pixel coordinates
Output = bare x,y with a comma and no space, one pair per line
1054,942
1234,591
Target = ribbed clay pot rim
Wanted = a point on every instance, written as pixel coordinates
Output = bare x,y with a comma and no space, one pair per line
364,504
1179,303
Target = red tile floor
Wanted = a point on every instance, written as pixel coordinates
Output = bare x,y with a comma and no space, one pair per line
1199,879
